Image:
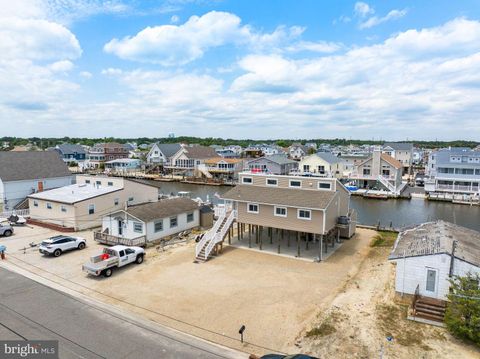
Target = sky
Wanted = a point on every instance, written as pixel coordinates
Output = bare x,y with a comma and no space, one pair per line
383,70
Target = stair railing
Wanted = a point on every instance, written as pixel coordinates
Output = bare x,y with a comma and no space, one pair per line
209,235
220,234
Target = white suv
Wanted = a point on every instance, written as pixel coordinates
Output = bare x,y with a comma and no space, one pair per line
59,244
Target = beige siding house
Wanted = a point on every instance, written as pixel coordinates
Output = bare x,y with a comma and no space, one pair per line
82,205
322,164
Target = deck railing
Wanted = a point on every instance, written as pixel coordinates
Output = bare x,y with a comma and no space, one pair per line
112,240
18,212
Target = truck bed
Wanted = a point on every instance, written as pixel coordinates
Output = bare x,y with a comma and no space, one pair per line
100,265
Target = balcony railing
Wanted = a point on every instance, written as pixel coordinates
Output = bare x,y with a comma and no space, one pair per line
111,240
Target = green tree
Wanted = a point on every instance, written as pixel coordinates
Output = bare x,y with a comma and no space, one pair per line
462,316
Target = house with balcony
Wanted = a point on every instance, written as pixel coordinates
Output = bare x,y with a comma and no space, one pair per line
353,159
297,151
162,153
275,164
323,164
100,153
402,152
454,171
71,153
291,212
190,160
226,169
378,172
123,165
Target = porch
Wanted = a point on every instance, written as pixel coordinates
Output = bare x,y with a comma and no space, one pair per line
111,240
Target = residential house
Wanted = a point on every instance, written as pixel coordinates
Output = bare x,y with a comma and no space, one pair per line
297,151
224,168
103,152
191,160
123,165
352,159
83,205
71,153
162,153
322,164
430,255
275,164
402,152
153,221
227,153
453,170
24,173
379,171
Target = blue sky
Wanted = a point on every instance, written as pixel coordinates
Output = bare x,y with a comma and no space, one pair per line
242,69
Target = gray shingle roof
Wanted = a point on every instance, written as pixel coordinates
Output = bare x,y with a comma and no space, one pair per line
200,152
436,238
329,157
279,159
282,196
164,208
17,166
399,146
67,148
169,149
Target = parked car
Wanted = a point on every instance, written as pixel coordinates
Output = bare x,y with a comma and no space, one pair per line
6,229
57,245
113,257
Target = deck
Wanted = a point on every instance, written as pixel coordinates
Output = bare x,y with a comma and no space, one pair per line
110,240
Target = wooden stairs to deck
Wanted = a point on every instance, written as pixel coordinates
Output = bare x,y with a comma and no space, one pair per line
201,254
429,308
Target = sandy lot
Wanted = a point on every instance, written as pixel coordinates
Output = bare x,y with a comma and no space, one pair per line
274,297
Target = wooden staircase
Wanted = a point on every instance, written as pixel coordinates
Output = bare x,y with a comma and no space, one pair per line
429,308
214,238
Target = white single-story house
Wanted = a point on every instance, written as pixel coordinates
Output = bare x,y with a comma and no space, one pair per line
82,205
153,220
431,254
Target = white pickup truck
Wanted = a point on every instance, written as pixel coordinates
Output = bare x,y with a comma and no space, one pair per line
116,256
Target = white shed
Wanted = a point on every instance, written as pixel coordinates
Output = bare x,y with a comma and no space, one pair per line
430,254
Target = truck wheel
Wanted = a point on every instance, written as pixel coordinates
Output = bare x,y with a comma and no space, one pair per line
81,245
139,259
108,272
57,252
7,233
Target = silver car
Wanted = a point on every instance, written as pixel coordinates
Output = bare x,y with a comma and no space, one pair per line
6,229
59,244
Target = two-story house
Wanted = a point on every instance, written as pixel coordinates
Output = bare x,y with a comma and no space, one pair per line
453,170
275,164
402,152
226,169
162,153
297,151
71,153
323,164
191,160
378,171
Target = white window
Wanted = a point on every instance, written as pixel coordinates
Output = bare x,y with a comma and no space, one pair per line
49,205
295,183
252,208
158,226
323,185
35,203
116,201
247,180
63,208
280,211
189,217
91,209
304,214
272,182
137,227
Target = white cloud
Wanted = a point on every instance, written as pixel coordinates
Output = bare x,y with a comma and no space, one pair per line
174,19
61,66
362,9
171,45
86,74
112,71
374,20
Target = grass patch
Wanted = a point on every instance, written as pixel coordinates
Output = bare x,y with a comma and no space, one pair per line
327,327
384,239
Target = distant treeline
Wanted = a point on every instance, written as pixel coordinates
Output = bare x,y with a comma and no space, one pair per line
52,142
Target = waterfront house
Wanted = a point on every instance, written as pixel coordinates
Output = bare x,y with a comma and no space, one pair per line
428,256
82,205
224,168
24,173
378,171
123,165
402,152
152,221
275,164
108,151
454,171
322,164
353,159
190,160
71,153
162,153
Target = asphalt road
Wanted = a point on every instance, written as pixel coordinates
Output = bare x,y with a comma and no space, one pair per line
29,310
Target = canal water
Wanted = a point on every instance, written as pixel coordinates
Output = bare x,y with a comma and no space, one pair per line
399,213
